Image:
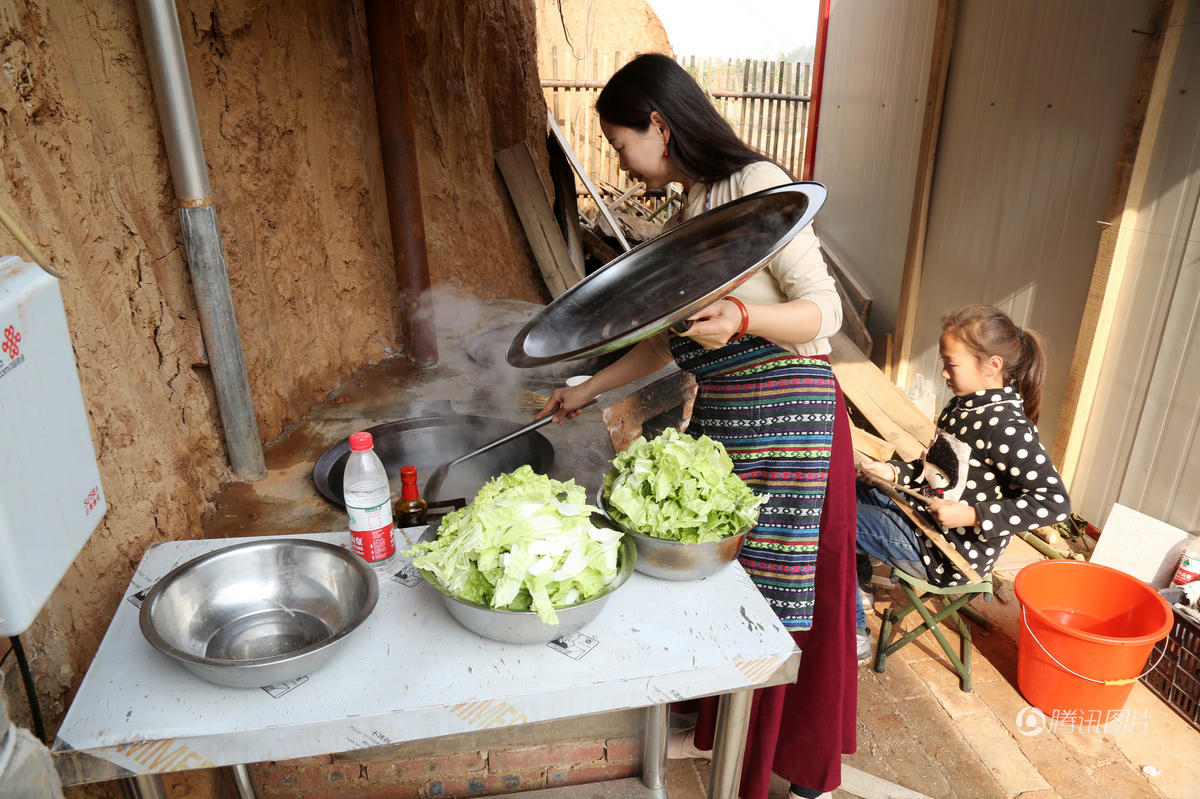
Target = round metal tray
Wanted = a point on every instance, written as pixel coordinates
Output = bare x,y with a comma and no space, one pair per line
668,278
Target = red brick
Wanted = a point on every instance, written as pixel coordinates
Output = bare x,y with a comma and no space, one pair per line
506,760
365,792
302,762
579,775
457,787
275,779
621,749
330,775
421,769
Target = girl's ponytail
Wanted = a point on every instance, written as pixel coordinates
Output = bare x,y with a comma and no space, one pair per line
986,331
1029,371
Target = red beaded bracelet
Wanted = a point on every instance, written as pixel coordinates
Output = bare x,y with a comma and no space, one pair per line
745,318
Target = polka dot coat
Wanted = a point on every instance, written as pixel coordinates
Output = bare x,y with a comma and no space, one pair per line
1006,476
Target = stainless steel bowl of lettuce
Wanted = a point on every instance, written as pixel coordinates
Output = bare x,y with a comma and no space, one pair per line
527,561
679,500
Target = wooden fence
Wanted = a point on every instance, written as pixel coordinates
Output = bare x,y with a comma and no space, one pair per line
766,102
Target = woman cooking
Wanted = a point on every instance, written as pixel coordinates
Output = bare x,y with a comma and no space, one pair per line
767,392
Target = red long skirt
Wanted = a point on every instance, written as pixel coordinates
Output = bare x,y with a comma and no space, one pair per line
801,730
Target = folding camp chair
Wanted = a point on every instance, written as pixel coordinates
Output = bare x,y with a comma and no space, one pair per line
955,600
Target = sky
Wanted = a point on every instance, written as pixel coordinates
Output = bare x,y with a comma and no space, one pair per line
738,28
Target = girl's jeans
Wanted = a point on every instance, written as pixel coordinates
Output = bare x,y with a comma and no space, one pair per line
885,534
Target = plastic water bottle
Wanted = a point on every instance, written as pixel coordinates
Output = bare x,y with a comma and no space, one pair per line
369,504
1189,564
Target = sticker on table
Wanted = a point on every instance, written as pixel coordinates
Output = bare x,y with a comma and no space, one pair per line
573,645
279,689
488,713
362,739
659,696
760,669
157,756
407,575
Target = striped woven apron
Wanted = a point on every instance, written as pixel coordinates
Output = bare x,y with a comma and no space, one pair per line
773,412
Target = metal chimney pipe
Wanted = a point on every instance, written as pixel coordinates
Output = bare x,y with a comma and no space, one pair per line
201,235
398,146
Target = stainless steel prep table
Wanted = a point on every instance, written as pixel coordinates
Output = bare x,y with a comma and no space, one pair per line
412,672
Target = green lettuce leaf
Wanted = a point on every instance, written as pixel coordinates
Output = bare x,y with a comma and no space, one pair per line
679,488
526,542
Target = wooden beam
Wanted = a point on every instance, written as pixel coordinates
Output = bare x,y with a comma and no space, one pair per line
605,220
864,443
537,218
881,403
914,252
855,290
566,202
1142,119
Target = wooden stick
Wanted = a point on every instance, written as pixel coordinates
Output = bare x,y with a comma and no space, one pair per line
879,482
938,540
1040,545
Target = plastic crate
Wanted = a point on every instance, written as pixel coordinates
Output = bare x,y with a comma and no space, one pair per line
1176,678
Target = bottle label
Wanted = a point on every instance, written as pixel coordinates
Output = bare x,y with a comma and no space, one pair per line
1189,570
371,532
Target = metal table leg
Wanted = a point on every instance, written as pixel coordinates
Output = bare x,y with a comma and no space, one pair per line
144,786
241,778
733,720
654,748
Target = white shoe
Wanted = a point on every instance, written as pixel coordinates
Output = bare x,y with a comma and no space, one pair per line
867,600
681,744
863,640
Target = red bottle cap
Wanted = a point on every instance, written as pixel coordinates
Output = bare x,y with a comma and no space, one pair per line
361,442
408,474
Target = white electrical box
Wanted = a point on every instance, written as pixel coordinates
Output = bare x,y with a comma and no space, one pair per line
50,494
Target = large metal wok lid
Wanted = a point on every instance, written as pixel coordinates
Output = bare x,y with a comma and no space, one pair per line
668,278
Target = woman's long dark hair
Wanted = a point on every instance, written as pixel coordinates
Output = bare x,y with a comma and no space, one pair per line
702,143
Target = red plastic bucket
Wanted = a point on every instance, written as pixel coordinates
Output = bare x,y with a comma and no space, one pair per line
1086,633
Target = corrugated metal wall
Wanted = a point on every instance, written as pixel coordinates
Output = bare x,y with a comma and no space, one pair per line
1035,104
873,104
1142,441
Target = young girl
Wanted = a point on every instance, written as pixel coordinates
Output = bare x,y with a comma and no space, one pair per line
986,473
760,357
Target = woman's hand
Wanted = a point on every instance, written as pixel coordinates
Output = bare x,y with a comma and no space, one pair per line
951,513
713,326
565,403
881,469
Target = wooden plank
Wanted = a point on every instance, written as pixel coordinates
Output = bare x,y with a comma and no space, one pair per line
1143,117
914,254
537,218
859,297
566,202
881,354
880,402
852,324
872,446
605,220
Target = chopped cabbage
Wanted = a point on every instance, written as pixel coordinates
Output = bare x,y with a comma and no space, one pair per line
679,488
525,542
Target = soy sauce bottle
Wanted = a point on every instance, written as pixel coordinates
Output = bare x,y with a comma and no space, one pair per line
410,508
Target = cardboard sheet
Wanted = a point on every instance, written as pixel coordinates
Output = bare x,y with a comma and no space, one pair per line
1140,545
